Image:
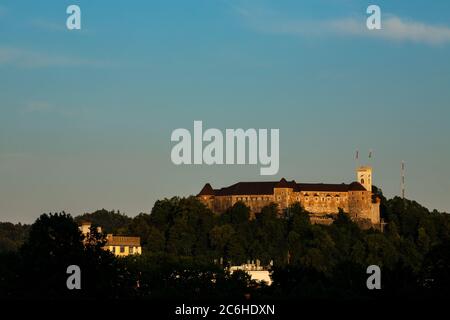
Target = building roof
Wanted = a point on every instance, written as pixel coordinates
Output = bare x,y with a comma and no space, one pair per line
267,188
207,190
122,241
284,184
356,186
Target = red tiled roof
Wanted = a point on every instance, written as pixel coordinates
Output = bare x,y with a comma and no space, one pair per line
266,188
123,241
250,188
284,184
207,190
356,186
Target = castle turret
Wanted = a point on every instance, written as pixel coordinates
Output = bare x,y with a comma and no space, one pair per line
206,196
364,176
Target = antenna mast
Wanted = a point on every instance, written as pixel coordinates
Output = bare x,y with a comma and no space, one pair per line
403,179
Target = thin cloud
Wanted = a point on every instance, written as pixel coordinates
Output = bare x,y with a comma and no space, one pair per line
51,26
48,25
397,29
38,106
416,31
12,56
45,107
393,28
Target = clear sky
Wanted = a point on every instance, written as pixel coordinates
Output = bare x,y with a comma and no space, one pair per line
86,116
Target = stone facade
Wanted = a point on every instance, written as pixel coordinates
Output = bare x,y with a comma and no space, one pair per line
321,200
123,246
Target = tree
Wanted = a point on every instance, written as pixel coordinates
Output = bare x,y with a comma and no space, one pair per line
423,241
221,237
270,232
435,272
55,243
12,236
181,237
110,221
238,214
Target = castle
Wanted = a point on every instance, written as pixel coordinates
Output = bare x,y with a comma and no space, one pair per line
321,200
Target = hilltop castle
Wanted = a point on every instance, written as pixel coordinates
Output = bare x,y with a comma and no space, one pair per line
321,200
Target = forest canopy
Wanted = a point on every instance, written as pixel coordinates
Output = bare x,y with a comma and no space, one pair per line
183,241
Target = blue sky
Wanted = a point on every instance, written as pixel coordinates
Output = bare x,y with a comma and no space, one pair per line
86,116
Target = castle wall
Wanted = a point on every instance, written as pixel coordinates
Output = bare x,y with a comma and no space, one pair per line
361,206
255,202
357,203
324,202
375,212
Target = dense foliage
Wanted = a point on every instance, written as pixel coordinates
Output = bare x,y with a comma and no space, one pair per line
12,236
183,242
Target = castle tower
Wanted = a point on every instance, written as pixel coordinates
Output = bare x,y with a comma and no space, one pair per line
364,176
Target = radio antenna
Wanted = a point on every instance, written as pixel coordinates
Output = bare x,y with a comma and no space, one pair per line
403,179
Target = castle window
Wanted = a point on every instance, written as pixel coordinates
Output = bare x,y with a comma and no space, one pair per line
362,181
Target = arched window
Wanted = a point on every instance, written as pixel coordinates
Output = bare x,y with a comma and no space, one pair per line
362,181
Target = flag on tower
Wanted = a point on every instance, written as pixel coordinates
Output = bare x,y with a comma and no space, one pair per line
357,155
370,153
